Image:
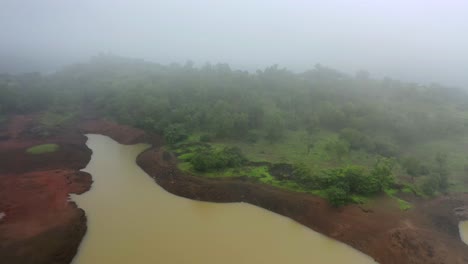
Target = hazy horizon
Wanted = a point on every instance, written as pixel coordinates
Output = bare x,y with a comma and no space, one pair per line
417,41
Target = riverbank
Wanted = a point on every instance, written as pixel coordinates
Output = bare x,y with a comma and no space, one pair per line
428,233
39,226
38,223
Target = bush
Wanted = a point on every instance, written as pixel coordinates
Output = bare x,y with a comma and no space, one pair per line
203,161
345,182
338,148
430,185
148,124
337,196
175,133
356,139
209,160
300,171
383,173
252,137
385,149
205,138
354,179
414,167
360,181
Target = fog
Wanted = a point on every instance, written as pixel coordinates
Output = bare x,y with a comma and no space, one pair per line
421,41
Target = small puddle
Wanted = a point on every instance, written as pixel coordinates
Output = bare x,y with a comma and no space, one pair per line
131,219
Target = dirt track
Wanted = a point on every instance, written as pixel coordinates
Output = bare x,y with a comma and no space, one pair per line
40,226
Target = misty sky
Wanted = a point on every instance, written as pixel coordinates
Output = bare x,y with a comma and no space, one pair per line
419,40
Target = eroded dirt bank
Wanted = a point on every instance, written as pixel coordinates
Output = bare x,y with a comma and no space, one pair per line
426,234
40,226
38,223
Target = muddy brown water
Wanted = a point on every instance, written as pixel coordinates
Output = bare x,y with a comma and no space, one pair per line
463,226
133,220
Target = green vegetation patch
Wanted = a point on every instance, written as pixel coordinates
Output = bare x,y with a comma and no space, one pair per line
44,148
404,205
340,185
50,122
325,121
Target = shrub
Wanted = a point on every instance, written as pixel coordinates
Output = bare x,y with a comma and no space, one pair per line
383,173
337,148
175,133
345,182
385,149
300,171
360,181
252,137
209,160
357,140
430,185
205,138
337,196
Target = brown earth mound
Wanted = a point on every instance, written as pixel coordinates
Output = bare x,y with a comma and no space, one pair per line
39,224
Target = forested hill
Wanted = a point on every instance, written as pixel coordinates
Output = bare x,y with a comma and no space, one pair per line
318,120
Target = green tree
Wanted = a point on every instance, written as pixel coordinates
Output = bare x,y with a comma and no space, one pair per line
210,159
413,167
430,185
383,173
442,170
337,148
175,133
337,196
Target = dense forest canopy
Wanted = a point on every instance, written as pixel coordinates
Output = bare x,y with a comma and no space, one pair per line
349,125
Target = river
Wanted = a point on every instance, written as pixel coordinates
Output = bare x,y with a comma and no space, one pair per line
131,219
463,226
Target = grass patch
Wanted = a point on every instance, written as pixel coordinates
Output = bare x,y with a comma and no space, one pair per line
404,205
320,193
185,166
186,156
300,147
260,173
412,188
407,189
390,192
291,150
50,122
257,173
44,148
358,199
